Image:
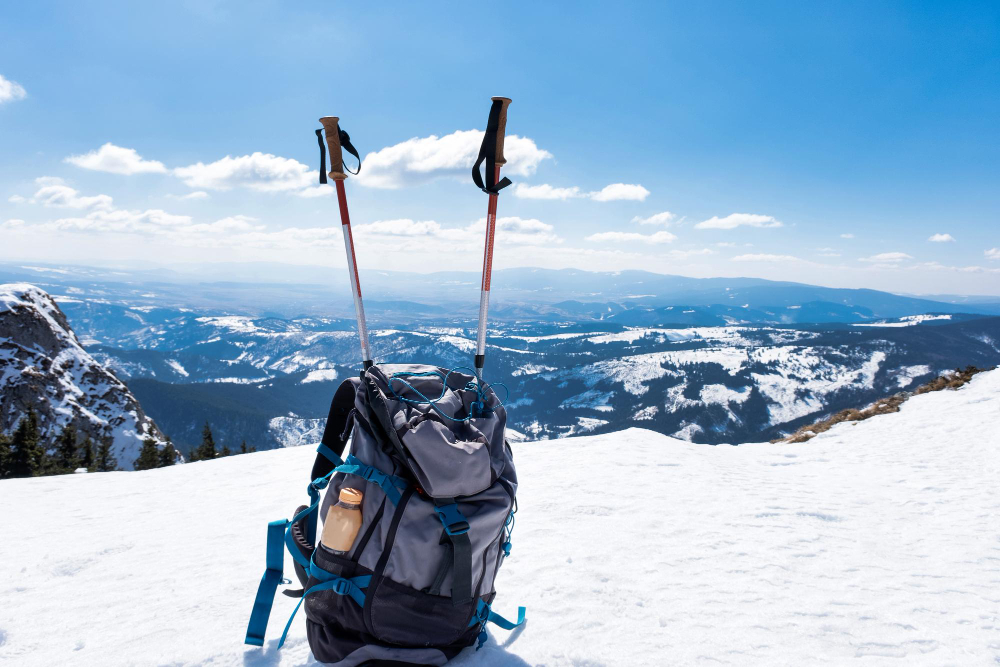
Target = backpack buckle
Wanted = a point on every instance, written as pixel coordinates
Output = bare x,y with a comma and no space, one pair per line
452,519
342,587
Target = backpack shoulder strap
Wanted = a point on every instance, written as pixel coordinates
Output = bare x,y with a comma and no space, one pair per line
330,453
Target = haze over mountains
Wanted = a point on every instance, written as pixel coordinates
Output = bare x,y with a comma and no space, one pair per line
736,360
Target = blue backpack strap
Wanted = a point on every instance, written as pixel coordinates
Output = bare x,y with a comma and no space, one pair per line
391,485
353,588
485,614
273,575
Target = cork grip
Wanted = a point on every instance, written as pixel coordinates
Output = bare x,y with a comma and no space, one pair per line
501,127
332,128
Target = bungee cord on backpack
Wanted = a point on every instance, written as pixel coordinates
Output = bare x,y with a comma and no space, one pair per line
478,409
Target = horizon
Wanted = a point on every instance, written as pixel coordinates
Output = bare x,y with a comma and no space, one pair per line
847,147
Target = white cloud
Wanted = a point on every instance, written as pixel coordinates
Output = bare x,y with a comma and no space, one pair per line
615,237
11,91
993,253
509,231
545,191
613,192
765,257
847,236
685,254
16,199
116,160
665,218
941,238
197,194
317,191
620,191
54,194
259,171
734,220
11,223
401,227
886,258
422,159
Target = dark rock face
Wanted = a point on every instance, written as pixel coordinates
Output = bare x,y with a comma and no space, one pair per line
43,366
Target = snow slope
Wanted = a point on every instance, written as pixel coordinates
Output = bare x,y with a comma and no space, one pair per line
875,543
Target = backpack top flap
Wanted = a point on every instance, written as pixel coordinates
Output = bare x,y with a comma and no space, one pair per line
449,453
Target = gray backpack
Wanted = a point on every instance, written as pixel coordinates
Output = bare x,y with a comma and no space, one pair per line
429,454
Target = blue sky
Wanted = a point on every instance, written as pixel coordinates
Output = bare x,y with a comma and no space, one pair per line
825,144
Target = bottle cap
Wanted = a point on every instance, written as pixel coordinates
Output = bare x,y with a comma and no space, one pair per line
351,496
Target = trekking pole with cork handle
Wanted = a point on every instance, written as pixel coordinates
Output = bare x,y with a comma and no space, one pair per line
491,152
336,140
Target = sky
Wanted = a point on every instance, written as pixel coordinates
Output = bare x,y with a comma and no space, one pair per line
844,144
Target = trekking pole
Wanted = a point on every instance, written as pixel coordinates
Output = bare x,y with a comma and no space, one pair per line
491,151
335,139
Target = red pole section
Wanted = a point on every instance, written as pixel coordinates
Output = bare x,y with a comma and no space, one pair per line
352,267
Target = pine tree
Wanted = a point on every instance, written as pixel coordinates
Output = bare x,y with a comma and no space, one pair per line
149,456
105,461
243,447
225,451
207,451
66,458
27,454
87,454
5,455
168,455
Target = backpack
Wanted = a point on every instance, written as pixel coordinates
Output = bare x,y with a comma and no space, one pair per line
427,450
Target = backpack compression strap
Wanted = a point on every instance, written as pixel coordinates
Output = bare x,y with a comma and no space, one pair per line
488,151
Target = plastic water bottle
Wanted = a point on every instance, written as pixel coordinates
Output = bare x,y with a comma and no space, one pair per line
343,521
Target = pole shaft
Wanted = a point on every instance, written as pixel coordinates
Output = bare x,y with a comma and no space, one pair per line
352,267
484,293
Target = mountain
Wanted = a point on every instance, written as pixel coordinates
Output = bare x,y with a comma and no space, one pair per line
46,368
264,380
399,298
873,543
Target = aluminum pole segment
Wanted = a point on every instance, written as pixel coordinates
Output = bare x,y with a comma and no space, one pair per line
352,267
484,293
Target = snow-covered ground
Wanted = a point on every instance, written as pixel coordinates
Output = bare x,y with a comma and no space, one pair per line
875,543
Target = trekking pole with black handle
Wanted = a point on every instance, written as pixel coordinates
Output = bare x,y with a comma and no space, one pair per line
336,139
491,151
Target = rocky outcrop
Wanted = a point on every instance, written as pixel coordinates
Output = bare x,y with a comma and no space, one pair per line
43,366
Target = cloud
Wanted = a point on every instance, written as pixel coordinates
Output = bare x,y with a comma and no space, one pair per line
16,199
545,191
262,172
618,237
734,220
847,236
886,258
764,257
620,191
11,223
509,231
401,227
317,191
665,218
686,254
941,238
116,160
56,195
11,91
423,159
197,194
993,253
613,192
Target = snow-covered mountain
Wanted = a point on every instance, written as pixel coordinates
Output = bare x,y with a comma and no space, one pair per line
45,367
265,380
873,543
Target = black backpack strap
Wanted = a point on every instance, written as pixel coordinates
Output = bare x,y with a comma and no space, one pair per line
488,153
336,434
456,527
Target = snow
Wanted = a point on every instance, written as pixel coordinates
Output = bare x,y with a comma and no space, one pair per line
874,543
322,375
178,368
906,321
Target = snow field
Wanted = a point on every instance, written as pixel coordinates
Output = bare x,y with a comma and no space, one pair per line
874,543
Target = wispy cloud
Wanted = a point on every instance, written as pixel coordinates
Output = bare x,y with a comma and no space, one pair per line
613,192
422,159
619,237
847,236
941,238
11,91
734,220
993,253
197,194
116,160
665,218
886,258
765,257
55,194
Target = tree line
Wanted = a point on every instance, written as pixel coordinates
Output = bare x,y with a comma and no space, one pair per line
25,454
